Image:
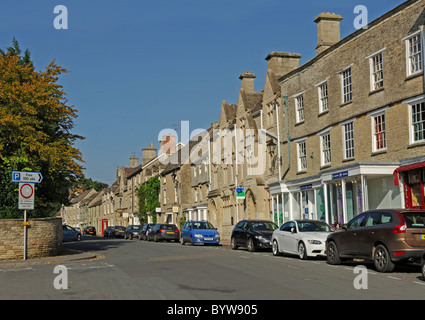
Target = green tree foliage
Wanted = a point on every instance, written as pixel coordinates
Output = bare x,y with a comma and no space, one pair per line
88,183
35,133
148,195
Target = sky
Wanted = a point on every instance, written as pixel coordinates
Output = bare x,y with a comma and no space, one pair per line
138,67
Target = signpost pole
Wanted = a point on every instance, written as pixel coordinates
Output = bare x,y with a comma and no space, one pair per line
25,235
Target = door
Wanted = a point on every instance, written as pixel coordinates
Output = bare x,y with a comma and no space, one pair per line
104,225
366,236
185,231
286,237
348,239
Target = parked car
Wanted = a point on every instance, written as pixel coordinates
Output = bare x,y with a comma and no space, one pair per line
132,231
89,230
384,236
118,232
70,234
423,265
199,232
253,234
107,233
145,231
166,232
305,238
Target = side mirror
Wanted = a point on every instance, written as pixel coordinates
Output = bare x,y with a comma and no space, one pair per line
344,226
293,230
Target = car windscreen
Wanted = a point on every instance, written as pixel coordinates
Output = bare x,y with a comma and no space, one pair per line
202,225
263,226
414,219
314,226
120,228
137,227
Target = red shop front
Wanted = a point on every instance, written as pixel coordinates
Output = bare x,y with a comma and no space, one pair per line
414,182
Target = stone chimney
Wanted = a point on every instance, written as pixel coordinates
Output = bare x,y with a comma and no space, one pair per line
281,63
148,154
134,162
328,30
247,81
167,145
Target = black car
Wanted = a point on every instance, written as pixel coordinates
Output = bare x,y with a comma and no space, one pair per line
253,234
118,232
133,231
145,231
164,231
107,233
89,230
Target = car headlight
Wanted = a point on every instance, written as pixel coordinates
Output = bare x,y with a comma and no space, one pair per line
217,236
198,236
261,238
314,241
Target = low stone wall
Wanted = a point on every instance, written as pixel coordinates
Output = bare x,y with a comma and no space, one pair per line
44,238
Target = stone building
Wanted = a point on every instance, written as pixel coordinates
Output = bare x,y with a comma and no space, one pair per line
356,120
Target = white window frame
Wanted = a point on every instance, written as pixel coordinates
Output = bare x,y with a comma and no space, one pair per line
347,86
421,123
379,114
299,108
376,74
348,148
419,54
323,98
302,155
325,153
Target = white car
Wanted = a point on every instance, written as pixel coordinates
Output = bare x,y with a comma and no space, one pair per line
305,238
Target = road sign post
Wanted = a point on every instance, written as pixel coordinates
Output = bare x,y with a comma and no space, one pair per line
26,182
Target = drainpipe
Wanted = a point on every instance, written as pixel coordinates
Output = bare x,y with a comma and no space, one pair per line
288,137
278,139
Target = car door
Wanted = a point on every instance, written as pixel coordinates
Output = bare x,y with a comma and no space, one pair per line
65,233
348,238
367,234
290,237
237,232
185,231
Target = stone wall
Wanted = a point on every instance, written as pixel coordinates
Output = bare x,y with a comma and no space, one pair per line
44,238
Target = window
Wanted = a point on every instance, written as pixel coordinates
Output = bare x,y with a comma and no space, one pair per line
417,122
347,87
302,156
299,105
323,97
414,54
325,149
379,133
348,138
356,222
377,71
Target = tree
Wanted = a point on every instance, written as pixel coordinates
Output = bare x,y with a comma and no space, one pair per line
35,132
88,183
148,195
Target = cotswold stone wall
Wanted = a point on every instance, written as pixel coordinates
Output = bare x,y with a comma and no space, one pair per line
44,238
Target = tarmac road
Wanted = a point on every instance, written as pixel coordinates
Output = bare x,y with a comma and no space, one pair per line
131,269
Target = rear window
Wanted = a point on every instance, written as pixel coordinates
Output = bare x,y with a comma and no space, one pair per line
169,227
414,219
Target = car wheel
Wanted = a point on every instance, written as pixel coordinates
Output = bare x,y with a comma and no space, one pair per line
302,251
251,246
382,259
275,248
233,244
332,253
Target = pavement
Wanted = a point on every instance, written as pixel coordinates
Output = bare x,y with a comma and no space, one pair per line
68,255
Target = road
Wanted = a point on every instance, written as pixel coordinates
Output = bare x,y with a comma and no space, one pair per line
133,269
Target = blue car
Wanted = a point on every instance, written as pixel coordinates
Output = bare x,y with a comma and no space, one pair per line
70,234
199,232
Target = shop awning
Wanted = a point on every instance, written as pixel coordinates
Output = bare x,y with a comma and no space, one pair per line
406,168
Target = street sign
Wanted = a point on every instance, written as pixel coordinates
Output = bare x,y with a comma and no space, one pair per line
25,176
240,193
26,196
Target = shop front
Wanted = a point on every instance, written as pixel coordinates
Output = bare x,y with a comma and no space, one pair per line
411,177
336,196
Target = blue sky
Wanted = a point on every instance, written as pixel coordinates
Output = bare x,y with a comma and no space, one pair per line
137,67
